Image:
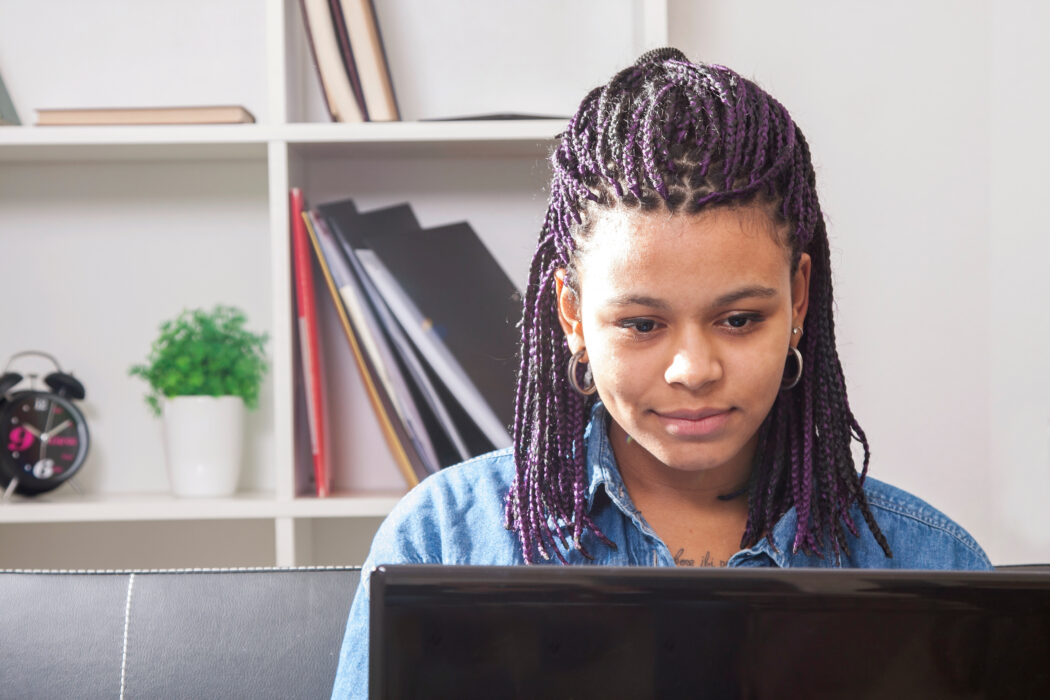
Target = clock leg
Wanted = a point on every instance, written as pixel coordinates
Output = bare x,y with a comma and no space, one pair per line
10,489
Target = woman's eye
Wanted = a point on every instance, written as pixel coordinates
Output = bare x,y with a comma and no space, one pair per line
741,322
641,325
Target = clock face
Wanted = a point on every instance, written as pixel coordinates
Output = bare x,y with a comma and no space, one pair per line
43,440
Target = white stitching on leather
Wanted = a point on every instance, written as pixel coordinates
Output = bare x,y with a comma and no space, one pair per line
124,653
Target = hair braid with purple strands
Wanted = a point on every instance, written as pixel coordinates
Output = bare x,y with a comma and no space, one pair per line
669,134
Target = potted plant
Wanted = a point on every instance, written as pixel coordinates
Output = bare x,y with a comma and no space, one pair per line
204,371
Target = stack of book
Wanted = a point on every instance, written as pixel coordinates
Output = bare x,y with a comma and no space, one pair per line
136,116
431,320
348,53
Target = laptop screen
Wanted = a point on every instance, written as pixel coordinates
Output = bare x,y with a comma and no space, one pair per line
606,632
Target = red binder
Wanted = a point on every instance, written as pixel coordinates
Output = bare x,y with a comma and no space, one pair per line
310,343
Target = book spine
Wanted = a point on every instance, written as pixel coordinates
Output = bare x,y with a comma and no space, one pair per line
313,57
405,462
348,55
391,95
334,80
370,59
309,337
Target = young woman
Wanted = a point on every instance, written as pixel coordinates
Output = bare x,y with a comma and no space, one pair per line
680,399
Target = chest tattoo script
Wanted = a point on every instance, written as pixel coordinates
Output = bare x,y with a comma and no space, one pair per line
680,560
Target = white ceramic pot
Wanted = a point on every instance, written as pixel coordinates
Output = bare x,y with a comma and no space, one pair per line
203,444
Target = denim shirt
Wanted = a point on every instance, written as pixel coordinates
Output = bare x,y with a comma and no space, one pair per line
456,517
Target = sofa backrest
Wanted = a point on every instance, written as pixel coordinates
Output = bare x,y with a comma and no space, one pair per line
202,633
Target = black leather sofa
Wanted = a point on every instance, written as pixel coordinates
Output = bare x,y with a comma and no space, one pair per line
203,633
194,633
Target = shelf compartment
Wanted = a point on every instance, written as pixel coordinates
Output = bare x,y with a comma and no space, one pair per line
143,544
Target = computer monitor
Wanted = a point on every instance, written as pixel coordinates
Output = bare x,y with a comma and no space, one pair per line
626,632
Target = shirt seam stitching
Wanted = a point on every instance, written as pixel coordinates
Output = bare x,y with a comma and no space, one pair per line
505,452
903,511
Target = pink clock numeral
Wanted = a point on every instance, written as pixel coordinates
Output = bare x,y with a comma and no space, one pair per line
20,439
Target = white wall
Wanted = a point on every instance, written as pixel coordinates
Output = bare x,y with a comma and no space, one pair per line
1018,323
925,123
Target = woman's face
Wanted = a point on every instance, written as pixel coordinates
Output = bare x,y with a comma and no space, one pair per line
686,321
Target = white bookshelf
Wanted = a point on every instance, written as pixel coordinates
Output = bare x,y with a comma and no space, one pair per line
120,228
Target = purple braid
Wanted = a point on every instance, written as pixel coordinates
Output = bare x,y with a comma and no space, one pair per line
666,133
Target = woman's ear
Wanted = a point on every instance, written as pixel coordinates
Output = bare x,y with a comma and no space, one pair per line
800,292
569,312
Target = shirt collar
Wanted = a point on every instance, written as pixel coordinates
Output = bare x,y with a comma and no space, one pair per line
602,470
601,463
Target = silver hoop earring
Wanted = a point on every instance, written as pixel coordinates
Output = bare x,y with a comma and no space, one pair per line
574,362
798,374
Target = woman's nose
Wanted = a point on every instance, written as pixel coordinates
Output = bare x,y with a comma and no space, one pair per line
694,362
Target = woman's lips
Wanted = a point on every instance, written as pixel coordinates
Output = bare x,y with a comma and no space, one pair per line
702,423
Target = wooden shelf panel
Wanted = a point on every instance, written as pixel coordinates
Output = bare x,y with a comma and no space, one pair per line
70,507
116,136
249,141
344,505
147,143
529,138
415,132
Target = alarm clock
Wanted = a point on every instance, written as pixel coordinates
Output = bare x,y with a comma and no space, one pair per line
43,435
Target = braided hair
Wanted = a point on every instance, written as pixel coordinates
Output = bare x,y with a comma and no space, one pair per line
666,133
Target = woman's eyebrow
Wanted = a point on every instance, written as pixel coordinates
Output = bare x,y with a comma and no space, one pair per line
638,300
745,293
726,299
749,292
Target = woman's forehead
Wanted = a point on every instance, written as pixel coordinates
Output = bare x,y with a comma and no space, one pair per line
706,254
751,219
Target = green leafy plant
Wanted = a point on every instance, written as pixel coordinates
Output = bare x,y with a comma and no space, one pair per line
202,353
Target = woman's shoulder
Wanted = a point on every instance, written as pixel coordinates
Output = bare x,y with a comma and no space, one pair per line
920,535
474,478
454,516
